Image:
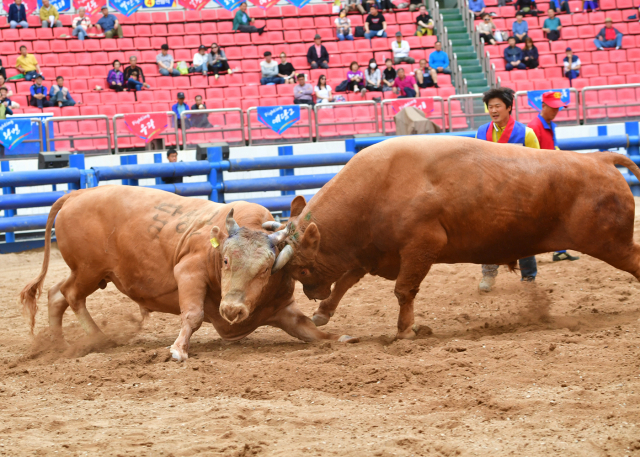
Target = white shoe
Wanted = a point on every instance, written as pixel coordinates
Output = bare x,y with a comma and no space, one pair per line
356,90
487,283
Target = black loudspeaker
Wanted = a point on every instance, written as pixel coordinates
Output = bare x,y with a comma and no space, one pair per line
201,150
53,160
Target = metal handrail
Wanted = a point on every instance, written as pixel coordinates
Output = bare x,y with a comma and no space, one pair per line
518,110
77,137
470,114
435,99
211,129
121,116
328,105
611,87
309,125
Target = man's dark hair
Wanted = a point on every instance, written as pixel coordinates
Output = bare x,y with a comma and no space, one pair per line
503,93
164,47
23,46
300,75
198,96
114,62
171,151
267,53
59,77
511,38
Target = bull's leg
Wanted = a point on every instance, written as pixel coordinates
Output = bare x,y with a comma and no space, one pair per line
412,272
328,307
76,289
57,305
295,323
624,258
144,315
191,290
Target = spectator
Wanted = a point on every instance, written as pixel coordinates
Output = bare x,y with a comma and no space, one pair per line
386,5
4,98
135,79
323,91
343,26
59,95
286,70
242,21
17,15
400,49
303,92
172,157
355,78
424,23
200,61
562,5
27,64
49,15
413,5
39,94
9,93
218,61
179,107
368,4
200,121
4,112
439,60
133,66
426,76
477,7
485,30
3,73
608,37
317,55
513,56
571,66
80,24
520,28
526,7
115,78
589,5
389,76
373,77
109,24
354,5
165,62
375,25
552,26
405,86
269,69
530,54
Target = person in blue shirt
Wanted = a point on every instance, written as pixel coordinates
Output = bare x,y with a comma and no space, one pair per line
513,56
39,94
109,24
439,60
520,28
477,7
59,95
179,107
17,15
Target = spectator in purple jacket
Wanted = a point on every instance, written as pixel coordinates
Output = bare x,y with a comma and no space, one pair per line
115,78
355,78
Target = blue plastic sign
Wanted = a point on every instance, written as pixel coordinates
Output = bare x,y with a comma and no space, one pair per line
229,5
13,131
299,3
61,5
279,118
535,97
126,7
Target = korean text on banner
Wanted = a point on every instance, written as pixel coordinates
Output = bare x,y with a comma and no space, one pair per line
535,97
279,118
146,126
195,5
61,5
29,5
92,7
13,131
158,3
424,104
229,5
264,4
126,7
299,3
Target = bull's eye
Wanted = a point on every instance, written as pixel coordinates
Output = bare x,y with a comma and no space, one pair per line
226,261
304,272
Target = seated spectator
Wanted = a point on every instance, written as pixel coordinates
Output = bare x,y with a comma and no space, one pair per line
354,5
552,26
571,66
200,121
200,61
355,78
269,69
386,5
526,7
80,24
218,61
115,78
109,24
49,15
439,60
368,4
59,95
400,49
286,70
172,157
373,77
4,98
513,56
562,5
39,94
405,85
4,112
388,76
485,30
179,107
375,24
426,76
323,91
8,92
242,21
303,92
27,65
520,28
165,62
477,7
530,54
424,23
135,81
3,73
133,66
17,15
608,37
317,55
343,26
589,6
413,5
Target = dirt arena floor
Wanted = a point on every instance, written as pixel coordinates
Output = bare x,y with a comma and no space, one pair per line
551,369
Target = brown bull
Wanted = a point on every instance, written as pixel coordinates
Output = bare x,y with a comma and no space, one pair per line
168,254
404,204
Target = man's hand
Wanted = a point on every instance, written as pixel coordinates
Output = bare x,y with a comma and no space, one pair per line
440,68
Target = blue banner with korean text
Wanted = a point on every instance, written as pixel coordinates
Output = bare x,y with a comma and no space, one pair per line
126,7
229,5
535,97
299,3
158,3
61,5
279,118
13,131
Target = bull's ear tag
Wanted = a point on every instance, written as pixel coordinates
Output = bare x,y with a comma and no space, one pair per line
214,242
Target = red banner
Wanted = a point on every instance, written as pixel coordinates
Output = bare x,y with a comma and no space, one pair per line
146,126
196,5
264,4
424,104
92,6
30,6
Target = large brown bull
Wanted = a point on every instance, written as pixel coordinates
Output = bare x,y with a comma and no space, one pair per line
404,204
168,254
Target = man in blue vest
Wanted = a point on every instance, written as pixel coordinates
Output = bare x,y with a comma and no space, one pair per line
504,129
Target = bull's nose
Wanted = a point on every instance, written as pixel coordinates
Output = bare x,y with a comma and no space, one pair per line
317,293
234,313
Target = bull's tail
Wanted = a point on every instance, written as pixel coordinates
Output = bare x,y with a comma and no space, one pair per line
31,292
623,161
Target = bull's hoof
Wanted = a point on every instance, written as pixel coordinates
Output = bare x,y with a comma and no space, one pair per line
178,355
320,320
348,339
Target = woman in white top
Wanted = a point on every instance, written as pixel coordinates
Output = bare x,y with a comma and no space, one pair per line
373,76
323,91
343,26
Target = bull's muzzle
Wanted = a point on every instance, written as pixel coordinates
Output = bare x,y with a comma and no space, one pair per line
234,313
317,292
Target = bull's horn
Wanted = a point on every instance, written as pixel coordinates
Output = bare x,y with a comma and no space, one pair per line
282,259
232,225
272,226
278,237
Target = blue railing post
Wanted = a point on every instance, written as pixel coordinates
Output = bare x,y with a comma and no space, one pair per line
129,160
286,151
10,237
350,145
214,156
633,150
77,161
157,158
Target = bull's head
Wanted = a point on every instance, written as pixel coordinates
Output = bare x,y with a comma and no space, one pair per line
249,258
